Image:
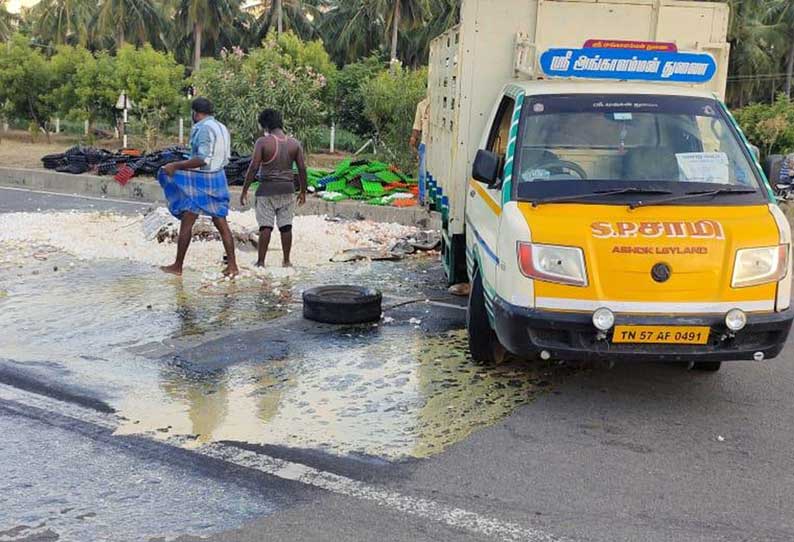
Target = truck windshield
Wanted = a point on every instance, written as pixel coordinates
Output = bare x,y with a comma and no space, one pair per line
586,144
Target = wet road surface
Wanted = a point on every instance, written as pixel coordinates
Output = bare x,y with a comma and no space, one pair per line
148,407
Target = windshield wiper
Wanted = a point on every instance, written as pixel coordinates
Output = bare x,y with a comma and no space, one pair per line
599,193
692,195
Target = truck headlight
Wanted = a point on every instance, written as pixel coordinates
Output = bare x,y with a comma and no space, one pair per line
756,266
552,263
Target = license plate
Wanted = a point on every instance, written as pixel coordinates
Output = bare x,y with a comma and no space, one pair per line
661,334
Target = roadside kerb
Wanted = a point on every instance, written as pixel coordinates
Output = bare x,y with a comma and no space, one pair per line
147,190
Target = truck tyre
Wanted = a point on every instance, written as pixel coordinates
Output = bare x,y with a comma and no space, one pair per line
707,366
342,305
483,343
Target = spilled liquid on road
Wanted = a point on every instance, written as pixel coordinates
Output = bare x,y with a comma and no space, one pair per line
382,394
193,360
391,391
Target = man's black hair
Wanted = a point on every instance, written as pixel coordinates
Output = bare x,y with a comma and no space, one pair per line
202,105
270,119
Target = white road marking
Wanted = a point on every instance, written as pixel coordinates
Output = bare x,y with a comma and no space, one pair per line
457,518
76,196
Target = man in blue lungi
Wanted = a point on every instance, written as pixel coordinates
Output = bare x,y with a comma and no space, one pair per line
198,186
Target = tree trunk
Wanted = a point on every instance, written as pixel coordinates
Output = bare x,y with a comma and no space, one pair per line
395,31
279,17
790,70
196,46
119,36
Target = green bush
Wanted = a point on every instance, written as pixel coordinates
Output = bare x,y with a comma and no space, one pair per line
289,51
26,84
348,99
320,137
88,85
390,104
242,85
153,81
769,126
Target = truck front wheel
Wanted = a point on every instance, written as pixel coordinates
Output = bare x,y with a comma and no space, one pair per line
483,343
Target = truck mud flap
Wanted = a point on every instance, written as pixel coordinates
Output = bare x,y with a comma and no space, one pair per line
453,255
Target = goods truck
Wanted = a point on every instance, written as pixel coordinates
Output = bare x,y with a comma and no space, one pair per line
594,189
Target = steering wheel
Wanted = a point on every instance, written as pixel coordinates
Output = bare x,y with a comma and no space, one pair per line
563,165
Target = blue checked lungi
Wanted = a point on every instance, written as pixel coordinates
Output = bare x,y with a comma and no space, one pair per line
199,192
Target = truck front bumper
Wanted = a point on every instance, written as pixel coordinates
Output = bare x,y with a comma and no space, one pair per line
571,336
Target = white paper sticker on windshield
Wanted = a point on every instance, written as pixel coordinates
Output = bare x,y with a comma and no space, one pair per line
704,167
535,174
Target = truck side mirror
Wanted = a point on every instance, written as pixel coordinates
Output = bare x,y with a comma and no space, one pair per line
486,167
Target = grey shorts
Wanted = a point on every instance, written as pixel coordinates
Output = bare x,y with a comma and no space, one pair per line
278,210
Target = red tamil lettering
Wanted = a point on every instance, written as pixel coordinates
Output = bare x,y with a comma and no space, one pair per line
674,229
627,229
651,229
601,230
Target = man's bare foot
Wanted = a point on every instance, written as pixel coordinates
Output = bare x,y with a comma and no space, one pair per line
231,271
286,264
172,269
461,289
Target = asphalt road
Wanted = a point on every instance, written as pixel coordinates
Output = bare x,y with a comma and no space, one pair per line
634,453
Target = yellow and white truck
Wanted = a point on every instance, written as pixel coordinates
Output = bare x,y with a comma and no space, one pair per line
594,189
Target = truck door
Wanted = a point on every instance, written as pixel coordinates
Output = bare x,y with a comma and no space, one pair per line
485,204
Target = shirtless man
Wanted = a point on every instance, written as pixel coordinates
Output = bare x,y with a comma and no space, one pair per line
272,162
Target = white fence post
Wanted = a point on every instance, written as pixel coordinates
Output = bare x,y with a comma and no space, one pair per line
333,137
181,131
57,125
85,127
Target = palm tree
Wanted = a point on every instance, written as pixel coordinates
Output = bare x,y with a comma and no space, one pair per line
299,16
752,49
351,29
415,45
206,16
134,21
352,22
781,15
63,21
7,22
400,15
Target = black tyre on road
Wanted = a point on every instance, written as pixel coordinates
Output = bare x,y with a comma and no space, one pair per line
483,342
342,305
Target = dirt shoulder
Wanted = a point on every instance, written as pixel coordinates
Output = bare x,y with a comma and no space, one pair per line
18,150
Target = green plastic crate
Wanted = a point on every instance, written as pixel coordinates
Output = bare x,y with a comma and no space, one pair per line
372,188
336,186
377,167
342,167
355,172
351,191
388,176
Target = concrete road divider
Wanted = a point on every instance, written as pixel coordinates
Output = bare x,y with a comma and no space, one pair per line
147,190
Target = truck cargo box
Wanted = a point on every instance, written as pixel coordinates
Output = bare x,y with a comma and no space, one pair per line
501,40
